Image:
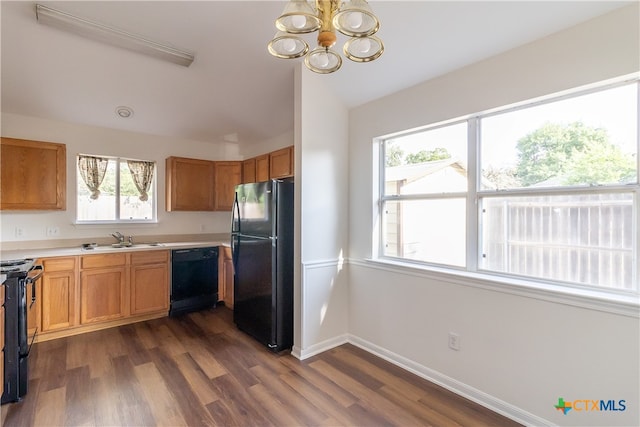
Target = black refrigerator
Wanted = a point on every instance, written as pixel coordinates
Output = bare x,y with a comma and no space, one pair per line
262,250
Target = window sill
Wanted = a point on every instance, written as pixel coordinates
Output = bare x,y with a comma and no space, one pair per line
621,304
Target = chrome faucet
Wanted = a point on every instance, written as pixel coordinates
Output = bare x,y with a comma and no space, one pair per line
118,236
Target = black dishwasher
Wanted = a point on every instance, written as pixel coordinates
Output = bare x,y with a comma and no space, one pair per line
194,279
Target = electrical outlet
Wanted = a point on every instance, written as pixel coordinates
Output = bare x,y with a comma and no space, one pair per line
19,232
53,231
454,341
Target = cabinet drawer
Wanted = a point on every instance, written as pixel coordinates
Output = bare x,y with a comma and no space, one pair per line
150,257
97,261
59,264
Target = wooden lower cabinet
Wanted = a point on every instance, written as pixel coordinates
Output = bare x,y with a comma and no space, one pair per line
149,282
225,276
103,287
103,294
60,308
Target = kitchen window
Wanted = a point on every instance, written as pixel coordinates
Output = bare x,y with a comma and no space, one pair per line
547,191
115,190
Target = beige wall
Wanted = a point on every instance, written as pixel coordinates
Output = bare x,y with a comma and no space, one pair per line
110,142
520,351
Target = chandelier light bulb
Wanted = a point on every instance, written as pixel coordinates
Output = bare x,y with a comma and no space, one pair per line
364,46
298,21
354,20
288,45
320,60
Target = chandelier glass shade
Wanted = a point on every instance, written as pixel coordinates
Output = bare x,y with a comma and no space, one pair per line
353,18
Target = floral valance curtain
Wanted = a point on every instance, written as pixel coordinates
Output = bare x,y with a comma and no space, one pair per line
142,174
92,170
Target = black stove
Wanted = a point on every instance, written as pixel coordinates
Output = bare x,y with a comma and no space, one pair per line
19,273
19,266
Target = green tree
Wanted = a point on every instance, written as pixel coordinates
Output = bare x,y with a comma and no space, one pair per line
573,153
422,156
394,155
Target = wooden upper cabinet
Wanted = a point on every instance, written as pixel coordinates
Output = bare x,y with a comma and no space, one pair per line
33,175
249,171
227,176
262,168
189,184
281,163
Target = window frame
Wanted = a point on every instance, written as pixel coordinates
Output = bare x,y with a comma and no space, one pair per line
475,195
119,220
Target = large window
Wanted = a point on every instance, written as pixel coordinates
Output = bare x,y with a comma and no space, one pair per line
111,189
425,187
547,191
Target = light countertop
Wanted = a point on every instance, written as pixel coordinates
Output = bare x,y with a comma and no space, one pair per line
103,249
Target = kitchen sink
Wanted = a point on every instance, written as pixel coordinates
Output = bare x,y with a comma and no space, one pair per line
120,246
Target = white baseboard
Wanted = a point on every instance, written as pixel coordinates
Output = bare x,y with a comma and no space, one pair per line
464,390
319,347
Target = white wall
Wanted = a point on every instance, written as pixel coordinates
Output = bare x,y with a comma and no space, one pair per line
519,353
110,142
322,189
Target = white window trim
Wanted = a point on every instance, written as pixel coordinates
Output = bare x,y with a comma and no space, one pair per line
610,300
152,221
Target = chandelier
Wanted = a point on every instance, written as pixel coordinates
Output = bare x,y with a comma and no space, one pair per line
353,18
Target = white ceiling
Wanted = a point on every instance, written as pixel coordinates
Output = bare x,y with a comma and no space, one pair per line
235,89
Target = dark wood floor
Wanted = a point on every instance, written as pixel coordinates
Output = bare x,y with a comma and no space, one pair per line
200,370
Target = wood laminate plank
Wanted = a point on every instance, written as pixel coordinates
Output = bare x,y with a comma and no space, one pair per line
321,400
184,397
197,379
160,400
383,409
78,394
51,408
200,370
296,405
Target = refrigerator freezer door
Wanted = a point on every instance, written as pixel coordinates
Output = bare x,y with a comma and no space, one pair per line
253,305
254,209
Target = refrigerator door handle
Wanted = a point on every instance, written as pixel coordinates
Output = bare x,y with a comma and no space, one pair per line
235,243
235,216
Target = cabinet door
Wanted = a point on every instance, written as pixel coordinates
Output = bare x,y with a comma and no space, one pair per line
149,288
25,187
225,277
189,184
281,163
228,283
262,168
102,294
227,176
249,171
58,300
33,308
